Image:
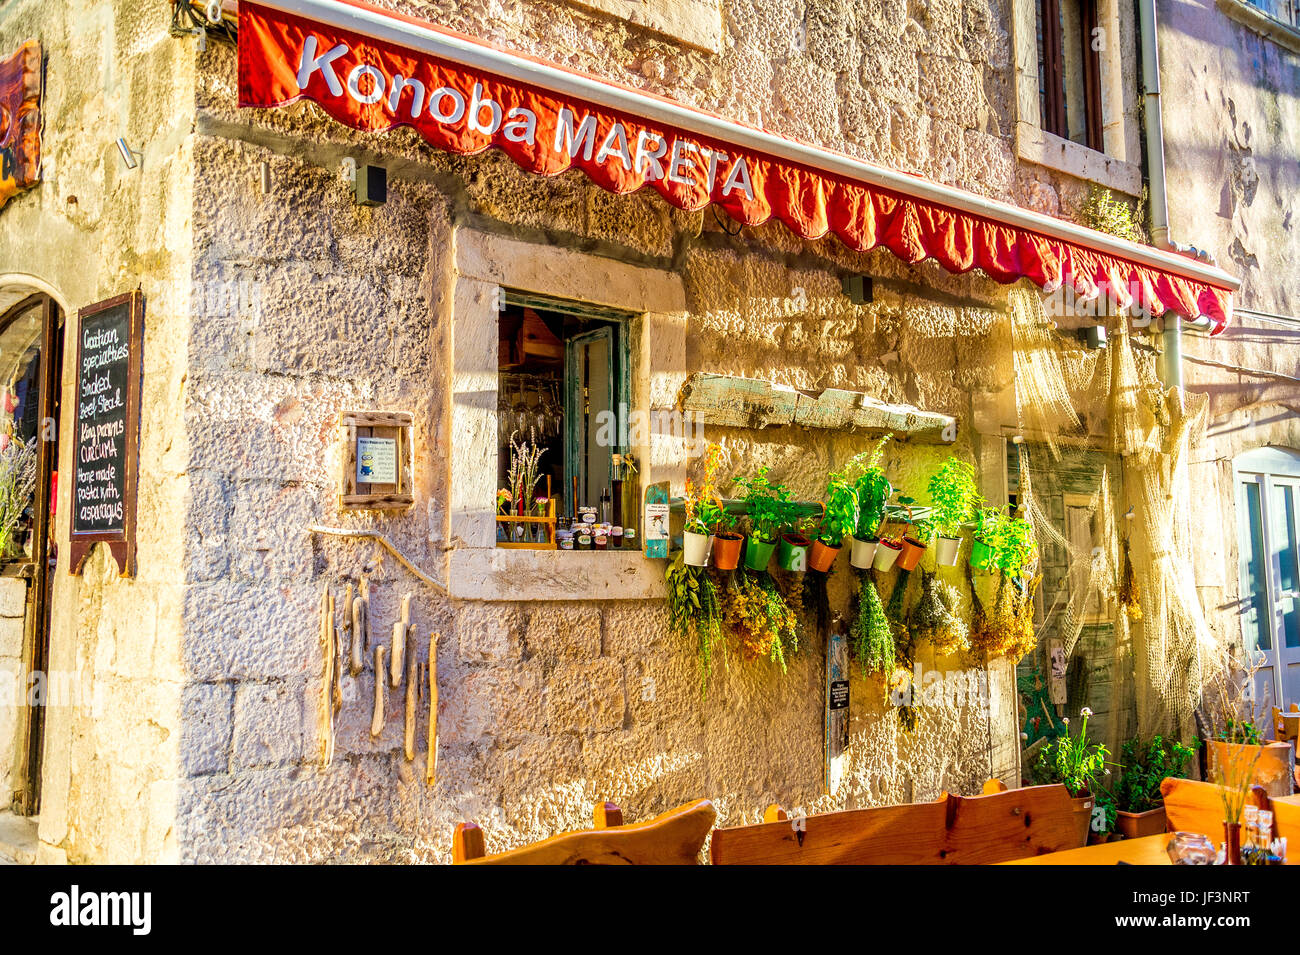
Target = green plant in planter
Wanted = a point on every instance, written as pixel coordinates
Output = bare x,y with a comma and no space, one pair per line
1010,539
872,488
767,504
694,608
841,517
1073,761
953,497
1241,732
871,640
1146,765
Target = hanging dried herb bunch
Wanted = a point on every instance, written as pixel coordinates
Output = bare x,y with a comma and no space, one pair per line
758,615
694,609
1130,594
791,589
871,641
1004,627
935,618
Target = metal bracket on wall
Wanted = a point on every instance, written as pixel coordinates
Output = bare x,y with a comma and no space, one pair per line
392,549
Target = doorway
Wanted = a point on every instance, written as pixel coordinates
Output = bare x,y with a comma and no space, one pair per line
1268,533
31,362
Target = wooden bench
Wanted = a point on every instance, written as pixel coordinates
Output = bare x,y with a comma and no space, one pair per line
953,830
675,838
1192,806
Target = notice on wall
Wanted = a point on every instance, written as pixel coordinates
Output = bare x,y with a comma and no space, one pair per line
376,460
107,430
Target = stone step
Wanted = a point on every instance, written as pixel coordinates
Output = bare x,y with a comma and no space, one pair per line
17,839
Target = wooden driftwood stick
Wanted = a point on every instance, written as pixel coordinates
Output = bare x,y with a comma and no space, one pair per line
377,720
358,631
398,661
349,619
431,764
324,705
408,739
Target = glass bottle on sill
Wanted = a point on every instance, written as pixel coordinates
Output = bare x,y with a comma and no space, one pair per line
630,498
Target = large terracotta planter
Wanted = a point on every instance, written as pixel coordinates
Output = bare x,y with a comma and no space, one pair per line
911,553
695,548
1274,765
822,556
726,550
862,553
886,553
1135,825
758,552
1082,817
792,552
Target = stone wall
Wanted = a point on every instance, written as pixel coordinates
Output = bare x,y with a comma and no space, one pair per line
93,229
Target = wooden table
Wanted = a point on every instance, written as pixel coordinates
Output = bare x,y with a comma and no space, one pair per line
1149,850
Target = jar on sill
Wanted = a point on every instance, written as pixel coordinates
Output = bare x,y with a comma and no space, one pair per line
584,540
602,542
564,539
616,538
629,538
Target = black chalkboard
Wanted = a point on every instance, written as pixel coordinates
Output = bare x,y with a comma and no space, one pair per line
106,430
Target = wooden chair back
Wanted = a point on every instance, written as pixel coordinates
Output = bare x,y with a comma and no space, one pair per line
675,838
1192,806
1286,726
956,830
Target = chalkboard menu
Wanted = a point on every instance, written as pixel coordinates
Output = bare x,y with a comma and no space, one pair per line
106,427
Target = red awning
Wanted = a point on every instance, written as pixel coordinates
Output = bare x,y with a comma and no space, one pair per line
373,70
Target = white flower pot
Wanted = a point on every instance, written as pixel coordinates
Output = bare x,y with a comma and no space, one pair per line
885,557
862,553
946,550
696,548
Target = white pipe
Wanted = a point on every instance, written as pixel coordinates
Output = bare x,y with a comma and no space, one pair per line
1156,197
388,27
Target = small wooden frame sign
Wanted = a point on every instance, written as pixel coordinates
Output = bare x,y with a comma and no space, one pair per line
106,422
377,465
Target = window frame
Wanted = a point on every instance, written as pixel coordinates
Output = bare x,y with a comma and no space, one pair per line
462,506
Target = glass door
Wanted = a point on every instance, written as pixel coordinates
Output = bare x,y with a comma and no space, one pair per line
1269,546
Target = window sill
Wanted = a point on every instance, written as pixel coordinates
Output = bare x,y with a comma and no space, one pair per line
1042,148
497,573
1251,16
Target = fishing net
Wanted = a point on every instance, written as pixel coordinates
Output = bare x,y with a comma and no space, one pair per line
1130,572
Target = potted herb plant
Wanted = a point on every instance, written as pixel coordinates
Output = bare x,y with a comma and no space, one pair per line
839,518
953,498
703,510
1078,765
792,549
1140,808
911,545
982,541
727,542
766,503
872,489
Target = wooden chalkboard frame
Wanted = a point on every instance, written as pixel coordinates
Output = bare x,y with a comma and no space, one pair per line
121,543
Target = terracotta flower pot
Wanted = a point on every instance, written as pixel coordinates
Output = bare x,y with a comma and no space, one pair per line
1271,765
946,550
862,553
822,556
758,552
1135,825
726,550
980,553
1083,816
695,548
792,552
911,553
886,553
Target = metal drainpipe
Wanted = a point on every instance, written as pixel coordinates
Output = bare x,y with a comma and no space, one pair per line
1153,121
1172,336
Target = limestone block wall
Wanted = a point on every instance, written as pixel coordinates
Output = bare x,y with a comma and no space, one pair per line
90,230
547,706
